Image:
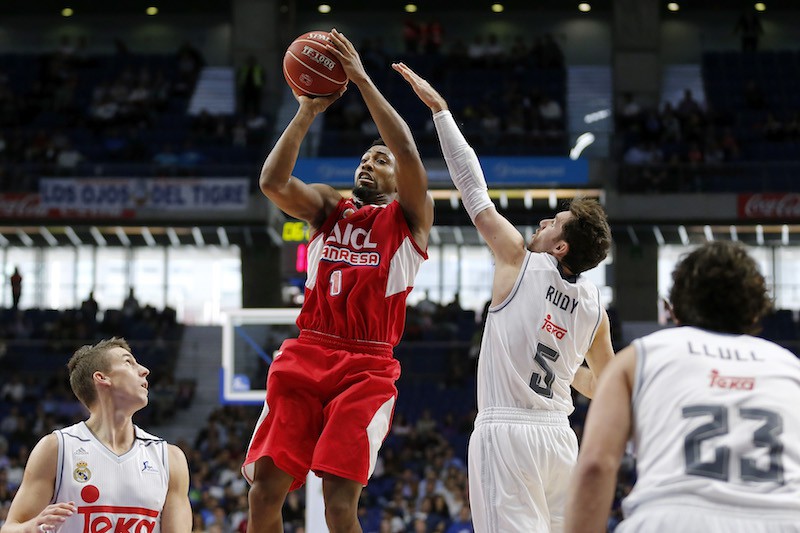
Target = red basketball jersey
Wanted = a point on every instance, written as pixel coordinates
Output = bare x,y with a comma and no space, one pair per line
361,266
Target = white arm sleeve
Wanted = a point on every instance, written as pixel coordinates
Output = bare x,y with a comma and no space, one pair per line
465,169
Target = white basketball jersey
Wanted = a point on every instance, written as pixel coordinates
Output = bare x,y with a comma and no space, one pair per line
716,423
535,340
113,494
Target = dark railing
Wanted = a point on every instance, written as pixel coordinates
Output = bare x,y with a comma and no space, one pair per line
702,178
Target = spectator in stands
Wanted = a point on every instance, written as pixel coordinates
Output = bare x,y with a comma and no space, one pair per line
552,55
670,125
750,29
16,288
89,306
66,49
494,51
68,158
476,52
250,80
411,36
730,145
239,133
190,63
190,157
629,111
166,158
551,113
772,129
13,390
131,305
433,38
464,522
688,105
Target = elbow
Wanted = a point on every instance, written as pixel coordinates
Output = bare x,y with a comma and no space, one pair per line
268,182
592,466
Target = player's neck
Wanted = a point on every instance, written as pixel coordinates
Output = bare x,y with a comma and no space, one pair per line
365,196
113,429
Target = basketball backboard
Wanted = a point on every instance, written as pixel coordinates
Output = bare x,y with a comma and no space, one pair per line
250,338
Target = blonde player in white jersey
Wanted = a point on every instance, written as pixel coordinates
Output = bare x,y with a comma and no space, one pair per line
712,412
104,474
544,319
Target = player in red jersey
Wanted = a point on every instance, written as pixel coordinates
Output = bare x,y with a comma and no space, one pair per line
330,392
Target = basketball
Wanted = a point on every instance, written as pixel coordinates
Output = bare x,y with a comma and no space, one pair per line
310,69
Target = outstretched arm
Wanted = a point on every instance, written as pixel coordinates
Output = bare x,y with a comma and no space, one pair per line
412,180
465,170
311,203
31,511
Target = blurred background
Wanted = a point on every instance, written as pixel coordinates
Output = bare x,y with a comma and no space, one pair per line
132,135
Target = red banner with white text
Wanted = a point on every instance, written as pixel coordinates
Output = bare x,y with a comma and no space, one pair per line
28,206
769,206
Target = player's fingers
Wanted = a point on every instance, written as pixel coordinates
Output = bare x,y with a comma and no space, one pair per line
344,40
61,511
403,70
339,40
65,505
335,51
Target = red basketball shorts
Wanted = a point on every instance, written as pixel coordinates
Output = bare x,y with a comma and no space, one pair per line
327,409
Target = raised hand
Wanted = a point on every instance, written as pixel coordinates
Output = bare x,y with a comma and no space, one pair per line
348,56
424,90
318,104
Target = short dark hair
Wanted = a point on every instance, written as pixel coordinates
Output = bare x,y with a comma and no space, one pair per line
85,362
377,142
718,287
588,235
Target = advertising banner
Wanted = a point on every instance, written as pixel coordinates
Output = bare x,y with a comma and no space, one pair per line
774,206
499,171
112,195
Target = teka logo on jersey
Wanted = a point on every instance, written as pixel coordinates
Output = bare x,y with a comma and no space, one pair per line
551,327
117,519
731,382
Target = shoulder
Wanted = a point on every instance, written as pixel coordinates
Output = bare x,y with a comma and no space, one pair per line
178,466
48,443
44,457
541,261
176,455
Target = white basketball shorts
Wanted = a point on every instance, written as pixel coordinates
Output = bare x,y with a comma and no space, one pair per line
520,463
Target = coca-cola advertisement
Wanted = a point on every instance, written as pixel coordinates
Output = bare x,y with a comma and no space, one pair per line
769,206
24,206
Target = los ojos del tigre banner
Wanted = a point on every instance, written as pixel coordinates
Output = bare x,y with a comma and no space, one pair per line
117,194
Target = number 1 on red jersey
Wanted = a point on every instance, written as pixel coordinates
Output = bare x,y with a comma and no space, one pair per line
336,282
